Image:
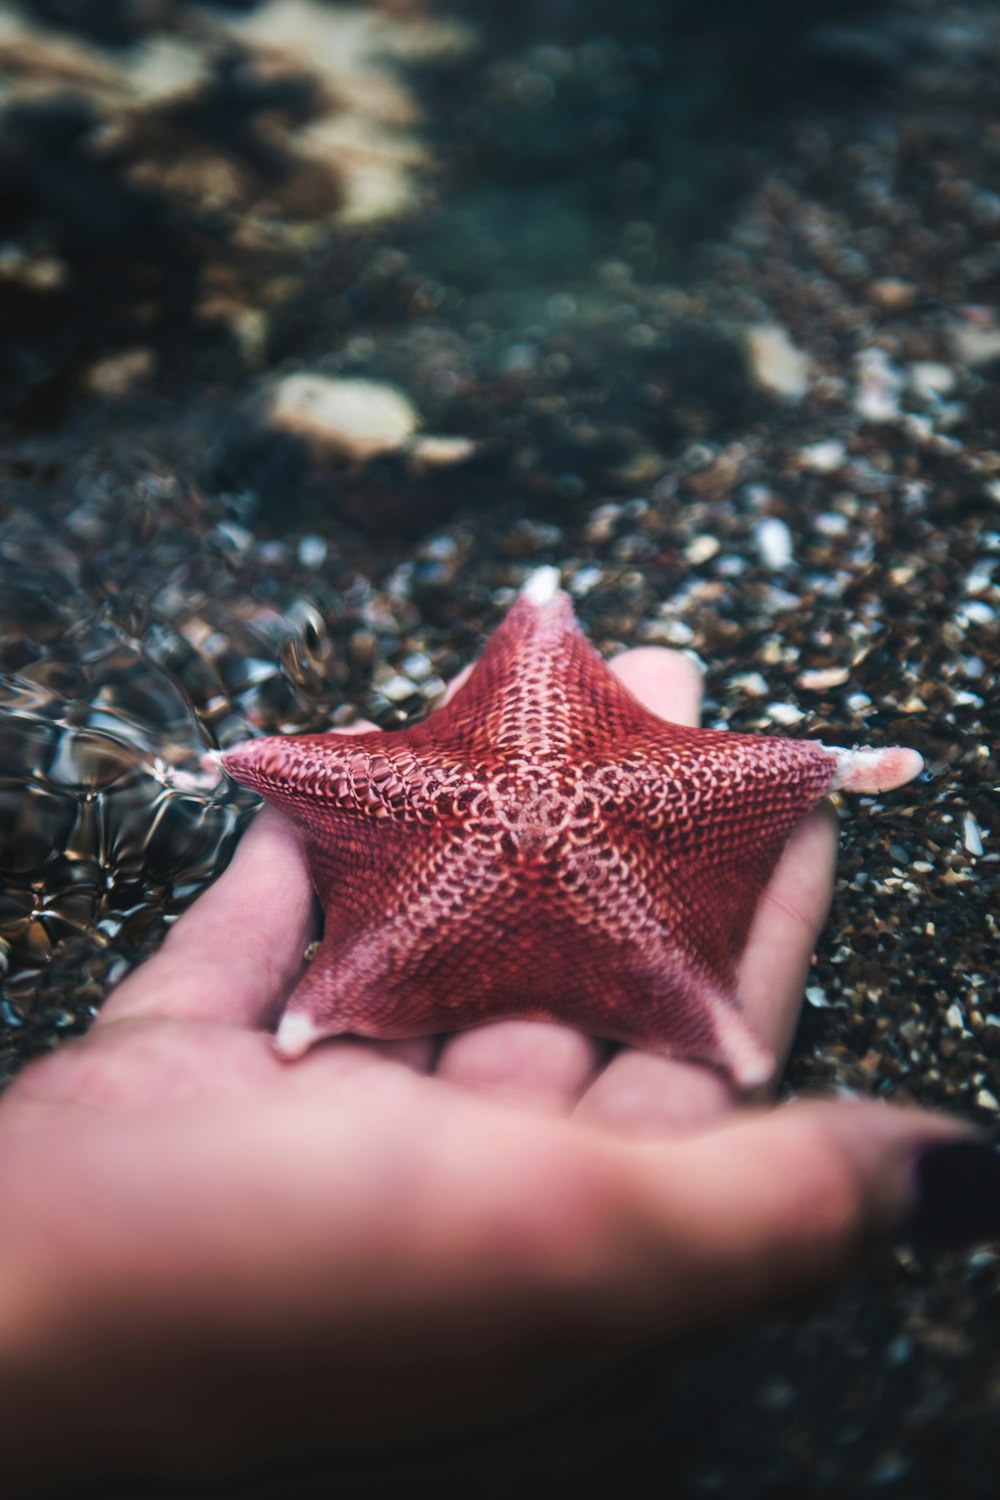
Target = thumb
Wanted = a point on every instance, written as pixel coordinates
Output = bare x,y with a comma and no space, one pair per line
782,1201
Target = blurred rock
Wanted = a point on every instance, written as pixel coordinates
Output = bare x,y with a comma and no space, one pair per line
355,419
776,363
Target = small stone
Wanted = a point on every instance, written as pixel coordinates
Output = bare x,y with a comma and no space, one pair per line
356,419
701,549
880,385
752,683
931,379
115,376
396,688
311,551
417,666
776,363
438,452
825,457
972,836
975,342
986,1100
785,714
774,542
819,679
893,295
584,580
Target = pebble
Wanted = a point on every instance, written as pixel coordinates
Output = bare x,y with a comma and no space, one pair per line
893,295
357,419
880,385
776,363
825,457
311,551
974,344
785,714
439,452
773,540
972,836
752,683
931,379
584,580
118,374
702,549
819,679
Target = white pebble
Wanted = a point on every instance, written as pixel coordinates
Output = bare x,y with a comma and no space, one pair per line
359,418
930,379
821,678
701,549
975,343
823,458
752,683
396,688
777,364
831,523
774,542
972,836
880,385
584,580
311,551
785,714
986,1100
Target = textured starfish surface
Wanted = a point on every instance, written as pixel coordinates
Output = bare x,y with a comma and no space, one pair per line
542,845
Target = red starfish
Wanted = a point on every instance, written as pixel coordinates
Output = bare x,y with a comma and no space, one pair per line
543,845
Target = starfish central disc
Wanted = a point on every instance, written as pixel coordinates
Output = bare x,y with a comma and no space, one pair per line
544,846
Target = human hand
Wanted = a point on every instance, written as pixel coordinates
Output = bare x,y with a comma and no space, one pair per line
209,1253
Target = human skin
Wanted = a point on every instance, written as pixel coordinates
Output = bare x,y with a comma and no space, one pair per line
208,1254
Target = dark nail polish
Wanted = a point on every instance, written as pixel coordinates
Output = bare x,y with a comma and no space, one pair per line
956,1196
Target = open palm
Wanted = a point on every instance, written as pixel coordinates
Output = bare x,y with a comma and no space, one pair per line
218,1252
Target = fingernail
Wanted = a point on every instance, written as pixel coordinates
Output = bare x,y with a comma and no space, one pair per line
956,1196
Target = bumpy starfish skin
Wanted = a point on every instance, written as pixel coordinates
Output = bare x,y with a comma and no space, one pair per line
543,845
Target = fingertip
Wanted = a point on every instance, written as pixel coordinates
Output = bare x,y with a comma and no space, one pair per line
785,929
643,1096
669,683
239,947
539,1063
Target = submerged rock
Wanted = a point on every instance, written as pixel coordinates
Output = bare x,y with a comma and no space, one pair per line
355,419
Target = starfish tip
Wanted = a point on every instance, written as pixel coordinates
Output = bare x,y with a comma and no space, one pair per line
865,770
295,1035
541,586
236,760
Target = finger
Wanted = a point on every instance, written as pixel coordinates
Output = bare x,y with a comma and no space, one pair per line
785,929
359,726
777,1202
459,680
236,953
667,682
542,1064
641,1096
644,1097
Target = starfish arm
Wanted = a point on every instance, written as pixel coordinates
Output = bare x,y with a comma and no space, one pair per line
677,942
376,775
391,963
539,691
